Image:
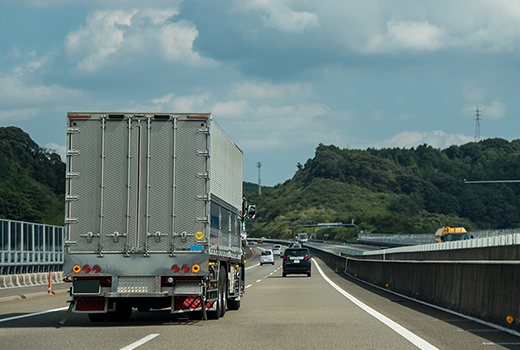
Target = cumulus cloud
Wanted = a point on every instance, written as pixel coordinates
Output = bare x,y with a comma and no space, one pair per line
415,36
494,111
278,15
18,114
108,37
101,37
435,138
61,150
269,90
188,103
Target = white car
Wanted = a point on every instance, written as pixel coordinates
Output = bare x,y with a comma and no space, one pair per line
266,257
276,249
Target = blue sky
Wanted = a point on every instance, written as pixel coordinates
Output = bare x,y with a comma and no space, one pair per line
279,76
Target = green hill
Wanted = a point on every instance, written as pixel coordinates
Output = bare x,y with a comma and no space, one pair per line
32,180
395,190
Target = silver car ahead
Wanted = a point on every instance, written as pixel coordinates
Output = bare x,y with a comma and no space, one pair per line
266,257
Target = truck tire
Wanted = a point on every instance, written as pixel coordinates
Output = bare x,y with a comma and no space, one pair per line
233,304
224,295
195,315
96,317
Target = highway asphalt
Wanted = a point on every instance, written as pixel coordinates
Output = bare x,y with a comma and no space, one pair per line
326,311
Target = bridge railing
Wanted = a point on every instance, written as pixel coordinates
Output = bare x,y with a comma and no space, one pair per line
27,247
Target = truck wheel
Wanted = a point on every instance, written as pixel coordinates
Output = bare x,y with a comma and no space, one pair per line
233,304
143,308
124,310
195,315
96,317
224,295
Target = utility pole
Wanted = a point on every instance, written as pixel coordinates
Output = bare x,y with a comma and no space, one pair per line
259,182
478,137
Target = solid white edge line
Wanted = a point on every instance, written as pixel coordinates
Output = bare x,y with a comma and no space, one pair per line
455,313
140,342
405,333
34,314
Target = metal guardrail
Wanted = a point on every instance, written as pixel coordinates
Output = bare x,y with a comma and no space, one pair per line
492,241
27,247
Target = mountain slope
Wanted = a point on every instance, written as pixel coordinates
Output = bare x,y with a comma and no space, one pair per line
396,190
32,180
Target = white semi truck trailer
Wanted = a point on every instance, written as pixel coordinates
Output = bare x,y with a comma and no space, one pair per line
153,215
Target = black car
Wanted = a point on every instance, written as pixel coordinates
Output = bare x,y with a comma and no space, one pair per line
296,260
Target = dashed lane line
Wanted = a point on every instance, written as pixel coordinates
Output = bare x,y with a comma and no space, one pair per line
140,342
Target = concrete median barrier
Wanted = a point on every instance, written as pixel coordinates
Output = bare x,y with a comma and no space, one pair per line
9,281
482,289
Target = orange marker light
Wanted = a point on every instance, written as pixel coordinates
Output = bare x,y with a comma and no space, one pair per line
76,268
195,268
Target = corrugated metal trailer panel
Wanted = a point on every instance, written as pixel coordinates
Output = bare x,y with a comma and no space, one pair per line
142,183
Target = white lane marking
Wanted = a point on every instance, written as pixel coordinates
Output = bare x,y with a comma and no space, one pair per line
250,267
258,281
405,333
249,285
34,314
500,343
140,342
271,274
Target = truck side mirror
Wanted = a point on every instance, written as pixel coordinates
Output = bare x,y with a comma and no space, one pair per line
251,211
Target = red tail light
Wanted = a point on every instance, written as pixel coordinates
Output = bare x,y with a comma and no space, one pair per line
175,268
96,269
185,268
86,268
307,257
286,258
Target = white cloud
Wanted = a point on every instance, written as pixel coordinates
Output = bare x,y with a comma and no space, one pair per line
415,36
61,150
435,138
111,37
494,111
231,109
101,37
278,15
189,103
18,114
269,90
17,91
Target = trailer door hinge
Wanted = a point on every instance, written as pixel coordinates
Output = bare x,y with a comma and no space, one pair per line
203,175
73,131
72,175
204,153
203,220
73,152
69,220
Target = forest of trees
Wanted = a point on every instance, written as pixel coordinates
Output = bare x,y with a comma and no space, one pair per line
32,180
397,190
